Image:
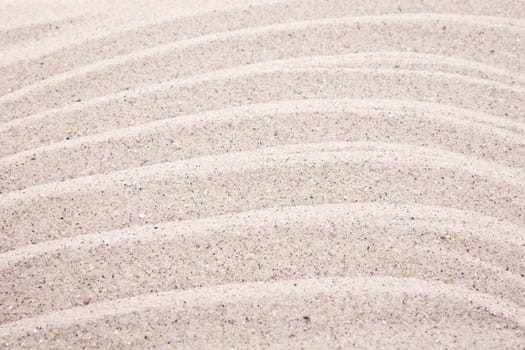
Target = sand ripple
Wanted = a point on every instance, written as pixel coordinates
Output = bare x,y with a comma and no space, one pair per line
318,174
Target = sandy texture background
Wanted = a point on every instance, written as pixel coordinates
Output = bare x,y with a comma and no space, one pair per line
254,174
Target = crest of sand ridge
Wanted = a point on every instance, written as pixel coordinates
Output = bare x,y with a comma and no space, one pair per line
255,173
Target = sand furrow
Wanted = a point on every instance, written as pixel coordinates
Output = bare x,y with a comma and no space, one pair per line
354,238
225,49
100,21
262,174
255,84
265,125
114,43
390,59
392,300
480,227
320,173
38,31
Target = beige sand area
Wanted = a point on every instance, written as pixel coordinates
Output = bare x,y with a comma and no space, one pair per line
262,174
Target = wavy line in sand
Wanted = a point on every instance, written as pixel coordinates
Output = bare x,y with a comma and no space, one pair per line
449,159
19,75
446,64
123,219
138,73
264,125
312,62
471,224
467,249
494,22
179,97
270,13
251,292
316,173
97,23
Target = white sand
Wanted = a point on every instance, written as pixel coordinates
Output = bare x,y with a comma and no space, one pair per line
218,174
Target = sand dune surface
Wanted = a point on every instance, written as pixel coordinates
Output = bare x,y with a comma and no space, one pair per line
262,174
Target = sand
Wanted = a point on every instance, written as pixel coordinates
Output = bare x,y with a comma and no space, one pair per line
262,174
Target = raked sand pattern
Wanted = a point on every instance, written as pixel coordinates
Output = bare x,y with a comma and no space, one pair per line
262,174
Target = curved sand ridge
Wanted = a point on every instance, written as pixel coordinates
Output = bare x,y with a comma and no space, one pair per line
118,41
263,174
292,39
207,92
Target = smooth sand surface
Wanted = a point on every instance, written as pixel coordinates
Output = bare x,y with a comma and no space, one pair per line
262,174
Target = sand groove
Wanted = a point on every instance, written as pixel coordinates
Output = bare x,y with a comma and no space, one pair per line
104,202
349,294
255,83
265,125
196,249
112,42
262,174
225,49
